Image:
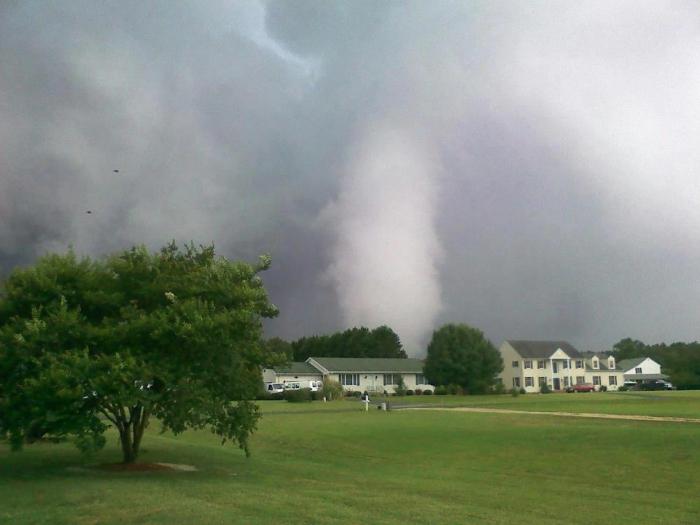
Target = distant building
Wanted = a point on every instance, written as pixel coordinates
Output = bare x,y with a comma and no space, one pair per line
532,364
371,374
641,370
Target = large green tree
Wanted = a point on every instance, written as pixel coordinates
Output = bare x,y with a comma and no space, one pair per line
461,355
174,335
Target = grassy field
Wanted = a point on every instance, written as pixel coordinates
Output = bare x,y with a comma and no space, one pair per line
333,463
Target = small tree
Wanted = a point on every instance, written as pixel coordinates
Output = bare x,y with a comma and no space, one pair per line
459,354
176,334
401,389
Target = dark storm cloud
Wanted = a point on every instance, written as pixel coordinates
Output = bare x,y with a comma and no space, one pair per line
530,169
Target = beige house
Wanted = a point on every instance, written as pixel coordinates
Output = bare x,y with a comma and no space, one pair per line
601,370
354,374
532,364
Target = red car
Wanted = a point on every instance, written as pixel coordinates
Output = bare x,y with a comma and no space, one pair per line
583,387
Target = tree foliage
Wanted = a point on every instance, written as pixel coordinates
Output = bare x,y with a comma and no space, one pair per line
279,352
86,344
459,354
354,342
681,361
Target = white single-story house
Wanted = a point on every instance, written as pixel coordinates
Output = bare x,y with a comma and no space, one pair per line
370,374
641,370
295,372
532,364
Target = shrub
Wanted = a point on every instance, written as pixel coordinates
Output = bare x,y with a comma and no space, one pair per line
298,396
409,392
440,390
603,388
331,390
400,387
522,390
428,393
499,388
454,390
544,389
418,391
623,388
515,392
268,396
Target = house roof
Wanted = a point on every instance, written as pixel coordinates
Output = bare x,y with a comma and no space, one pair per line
295,367
627,364
644,377
602,367
542,348
369,364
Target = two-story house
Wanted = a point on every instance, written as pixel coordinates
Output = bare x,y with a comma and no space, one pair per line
532,364
601,371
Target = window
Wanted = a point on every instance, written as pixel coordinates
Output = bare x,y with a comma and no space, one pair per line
579,363
612,380
527,364
516,382
420,379
541,363
611,364
541,381
391,379
565,364
349,379
595,364
566,381
596,380
638,370
515,364
580,380
529,381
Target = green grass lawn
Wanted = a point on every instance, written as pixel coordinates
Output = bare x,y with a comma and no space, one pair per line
333,463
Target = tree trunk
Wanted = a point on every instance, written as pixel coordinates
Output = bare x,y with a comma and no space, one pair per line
131,431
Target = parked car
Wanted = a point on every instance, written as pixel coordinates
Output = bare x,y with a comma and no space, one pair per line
659,384
274,388
583,387
314,386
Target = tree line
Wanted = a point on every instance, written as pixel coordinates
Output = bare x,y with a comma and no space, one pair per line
353,342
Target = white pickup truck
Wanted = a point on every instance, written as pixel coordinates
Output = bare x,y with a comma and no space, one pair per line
274,388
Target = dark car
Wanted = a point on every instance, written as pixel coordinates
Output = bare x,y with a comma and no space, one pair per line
656,385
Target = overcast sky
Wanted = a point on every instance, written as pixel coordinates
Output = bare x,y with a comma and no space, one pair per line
528,168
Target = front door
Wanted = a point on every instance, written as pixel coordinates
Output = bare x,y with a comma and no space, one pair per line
557,383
